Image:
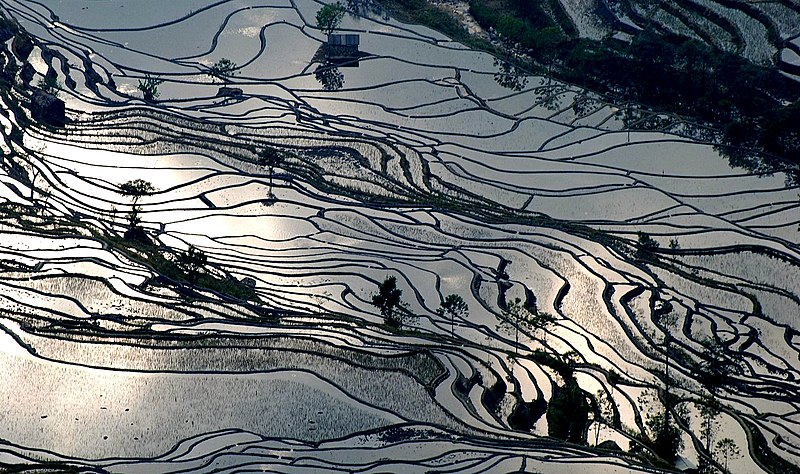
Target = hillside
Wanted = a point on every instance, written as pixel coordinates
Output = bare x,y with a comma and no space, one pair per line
224,249
724,72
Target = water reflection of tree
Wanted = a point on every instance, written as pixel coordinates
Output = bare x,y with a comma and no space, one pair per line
509,76
582,105
748,159
330,77
550,95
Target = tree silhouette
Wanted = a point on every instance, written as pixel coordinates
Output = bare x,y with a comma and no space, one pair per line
223,69
135,189
549,95
50,85
727,448
270,157
568,412
149,87
665,440
366,7
387,299
604,412
669,321
453,306
509,76
518,315
716,366
647,246
514,313
709,410
192,262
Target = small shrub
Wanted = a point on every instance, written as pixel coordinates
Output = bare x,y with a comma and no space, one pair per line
223,68
149,87
646,247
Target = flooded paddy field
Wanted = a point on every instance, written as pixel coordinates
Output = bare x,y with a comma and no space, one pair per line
670,276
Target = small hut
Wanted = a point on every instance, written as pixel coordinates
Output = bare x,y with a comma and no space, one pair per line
342,46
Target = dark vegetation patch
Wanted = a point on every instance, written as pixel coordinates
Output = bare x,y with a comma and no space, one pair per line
765,456
46,468
568,412
254,353
422,12
754,109
165,262
161,260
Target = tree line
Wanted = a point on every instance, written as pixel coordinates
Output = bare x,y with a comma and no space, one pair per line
571,410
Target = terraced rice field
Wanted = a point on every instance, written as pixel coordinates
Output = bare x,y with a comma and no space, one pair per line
428,162
765,32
